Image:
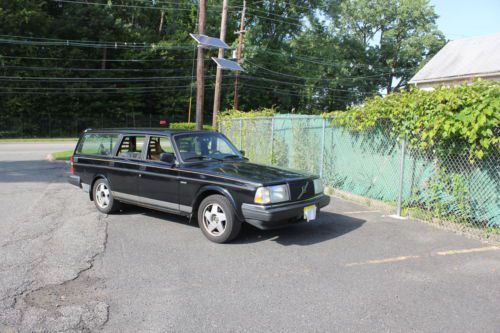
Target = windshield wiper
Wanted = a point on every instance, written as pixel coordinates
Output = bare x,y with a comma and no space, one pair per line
202,158
231,156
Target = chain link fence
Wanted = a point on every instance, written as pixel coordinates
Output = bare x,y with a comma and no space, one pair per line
448,190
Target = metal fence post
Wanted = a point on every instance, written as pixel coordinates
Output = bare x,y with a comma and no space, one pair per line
321,157
272,138
401,176
241,134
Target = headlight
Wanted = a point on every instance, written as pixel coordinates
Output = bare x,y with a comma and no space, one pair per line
272,194
318,186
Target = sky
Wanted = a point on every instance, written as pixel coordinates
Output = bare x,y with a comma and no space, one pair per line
467,18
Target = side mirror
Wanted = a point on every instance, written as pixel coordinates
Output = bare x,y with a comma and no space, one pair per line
167,158
242,152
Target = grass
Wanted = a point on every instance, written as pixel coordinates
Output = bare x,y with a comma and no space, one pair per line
37,140
62,155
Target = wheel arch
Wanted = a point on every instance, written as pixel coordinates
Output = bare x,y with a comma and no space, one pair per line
96,178
208,190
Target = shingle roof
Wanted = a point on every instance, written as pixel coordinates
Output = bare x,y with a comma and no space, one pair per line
475,56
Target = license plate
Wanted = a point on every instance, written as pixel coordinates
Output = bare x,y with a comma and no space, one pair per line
310,213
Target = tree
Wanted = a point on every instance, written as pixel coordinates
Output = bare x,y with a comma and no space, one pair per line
397,35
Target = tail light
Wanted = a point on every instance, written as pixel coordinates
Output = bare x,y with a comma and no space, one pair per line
72,168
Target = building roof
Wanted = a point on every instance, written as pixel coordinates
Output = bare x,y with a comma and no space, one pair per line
463,58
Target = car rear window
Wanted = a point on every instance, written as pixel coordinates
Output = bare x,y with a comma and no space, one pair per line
97,144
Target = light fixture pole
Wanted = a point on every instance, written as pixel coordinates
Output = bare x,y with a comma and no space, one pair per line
238,53
218,77
200,77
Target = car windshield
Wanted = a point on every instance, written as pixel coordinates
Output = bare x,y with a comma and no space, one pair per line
205,146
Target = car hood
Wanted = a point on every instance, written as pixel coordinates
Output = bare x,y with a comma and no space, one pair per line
247,171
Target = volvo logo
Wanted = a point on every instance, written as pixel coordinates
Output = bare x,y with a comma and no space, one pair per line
303,191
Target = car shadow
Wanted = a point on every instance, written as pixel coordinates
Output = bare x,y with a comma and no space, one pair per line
326,227
168,217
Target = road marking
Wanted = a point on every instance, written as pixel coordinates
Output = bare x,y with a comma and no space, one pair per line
361,211
478,249
382,261
440,253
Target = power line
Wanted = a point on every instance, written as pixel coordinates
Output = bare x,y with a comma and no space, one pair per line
127,6
96,79
77,69
94,90
37,41
313,78
100,60
249,77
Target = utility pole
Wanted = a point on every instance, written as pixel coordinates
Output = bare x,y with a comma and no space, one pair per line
238,53
218,77
200,77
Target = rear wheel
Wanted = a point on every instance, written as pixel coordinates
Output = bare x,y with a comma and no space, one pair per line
217,219
103,198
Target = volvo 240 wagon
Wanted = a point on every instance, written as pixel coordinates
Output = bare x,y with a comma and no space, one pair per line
198,174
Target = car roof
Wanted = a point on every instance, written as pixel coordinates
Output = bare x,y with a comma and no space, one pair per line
145,131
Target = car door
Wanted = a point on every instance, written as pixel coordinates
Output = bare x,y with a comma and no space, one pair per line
125,167
158,183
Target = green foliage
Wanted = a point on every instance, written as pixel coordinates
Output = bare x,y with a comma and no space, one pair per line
293,58
460,119
189,126
232,113
446,196
395,37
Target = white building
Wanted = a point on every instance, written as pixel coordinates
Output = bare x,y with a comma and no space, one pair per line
461,61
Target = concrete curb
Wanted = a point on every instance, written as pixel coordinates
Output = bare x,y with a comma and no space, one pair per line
377,204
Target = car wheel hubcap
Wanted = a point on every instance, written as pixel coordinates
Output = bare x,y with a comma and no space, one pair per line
214,219
102,195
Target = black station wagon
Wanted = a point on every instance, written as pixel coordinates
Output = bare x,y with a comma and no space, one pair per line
198,174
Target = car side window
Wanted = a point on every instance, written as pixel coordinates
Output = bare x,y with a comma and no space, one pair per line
157,146
97,144
131,147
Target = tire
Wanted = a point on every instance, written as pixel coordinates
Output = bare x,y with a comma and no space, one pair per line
217,219
103,197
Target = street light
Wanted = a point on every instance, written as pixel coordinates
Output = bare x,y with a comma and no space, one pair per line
211,43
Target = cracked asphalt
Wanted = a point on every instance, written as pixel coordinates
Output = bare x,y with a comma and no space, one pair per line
66,268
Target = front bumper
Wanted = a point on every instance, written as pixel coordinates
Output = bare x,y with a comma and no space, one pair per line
282,214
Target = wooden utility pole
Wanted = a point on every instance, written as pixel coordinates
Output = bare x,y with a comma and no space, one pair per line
238,53
200,77
218,77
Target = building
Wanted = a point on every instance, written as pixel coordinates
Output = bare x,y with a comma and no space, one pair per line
461,61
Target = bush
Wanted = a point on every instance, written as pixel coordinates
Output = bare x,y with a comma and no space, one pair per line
460,119
189,126
229,114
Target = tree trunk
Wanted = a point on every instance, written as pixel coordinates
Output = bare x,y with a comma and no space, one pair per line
162,16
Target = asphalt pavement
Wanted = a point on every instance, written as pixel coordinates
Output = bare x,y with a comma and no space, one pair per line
65,267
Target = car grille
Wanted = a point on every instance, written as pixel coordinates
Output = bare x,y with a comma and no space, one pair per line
296,189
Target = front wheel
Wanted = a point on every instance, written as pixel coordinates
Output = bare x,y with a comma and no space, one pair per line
217,219
103,198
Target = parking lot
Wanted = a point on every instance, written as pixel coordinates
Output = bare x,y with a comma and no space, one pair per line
65,267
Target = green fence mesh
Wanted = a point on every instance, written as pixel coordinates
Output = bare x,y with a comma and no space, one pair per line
441,189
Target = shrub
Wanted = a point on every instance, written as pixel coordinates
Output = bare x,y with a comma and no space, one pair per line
189,126
464,118
229,114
